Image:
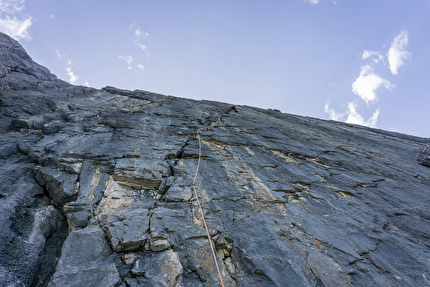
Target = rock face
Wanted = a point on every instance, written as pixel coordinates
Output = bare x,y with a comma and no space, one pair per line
13,58
424,155
95,191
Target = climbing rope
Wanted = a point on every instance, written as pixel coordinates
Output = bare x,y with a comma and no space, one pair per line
198,135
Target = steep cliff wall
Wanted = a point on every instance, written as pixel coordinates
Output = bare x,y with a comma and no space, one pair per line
95,190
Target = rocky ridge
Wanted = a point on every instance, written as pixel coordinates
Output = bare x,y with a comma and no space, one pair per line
95,191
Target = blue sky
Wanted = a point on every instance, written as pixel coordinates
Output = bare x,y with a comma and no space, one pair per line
364,62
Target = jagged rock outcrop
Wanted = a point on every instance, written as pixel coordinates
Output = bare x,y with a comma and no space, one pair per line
13,58
424,155
95,191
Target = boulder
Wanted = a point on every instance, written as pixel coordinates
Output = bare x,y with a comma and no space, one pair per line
86,261
60,186
162,269
141,173
126,230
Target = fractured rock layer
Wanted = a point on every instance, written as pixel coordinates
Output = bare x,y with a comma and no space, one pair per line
289,201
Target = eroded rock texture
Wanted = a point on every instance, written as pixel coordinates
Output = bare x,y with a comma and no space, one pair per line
95,191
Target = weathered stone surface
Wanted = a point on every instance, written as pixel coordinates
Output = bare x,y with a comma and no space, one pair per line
179,192
85,261
288,200
32,230
13,58
61,187
140,173
126,230
160,245
424,155
162,269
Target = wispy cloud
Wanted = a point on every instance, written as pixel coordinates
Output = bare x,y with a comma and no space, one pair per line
139,36
355,118
141,46
367,83
139,33
72,77
141,67
11,6
397,52
128,59
59,55
13,21
351,115
369,54
313,2
332,113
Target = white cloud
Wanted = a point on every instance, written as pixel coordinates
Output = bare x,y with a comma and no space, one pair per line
332,114
52,16
12,21
373,119
11,6
313,2
128,59
353,117
72,77
397,53
368,54
59,55
141,67
367,83
16,28
139,33
143,47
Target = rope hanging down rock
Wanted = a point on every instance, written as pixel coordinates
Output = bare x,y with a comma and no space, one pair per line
198,135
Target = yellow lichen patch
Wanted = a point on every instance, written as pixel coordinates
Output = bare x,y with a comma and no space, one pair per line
94,184
241,129
114,198
119,98
317,242
344,193
288,159
214,141
197,217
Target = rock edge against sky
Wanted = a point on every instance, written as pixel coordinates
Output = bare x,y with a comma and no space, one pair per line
94,191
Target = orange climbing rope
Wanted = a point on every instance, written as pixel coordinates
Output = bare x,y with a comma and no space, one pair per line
197,197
